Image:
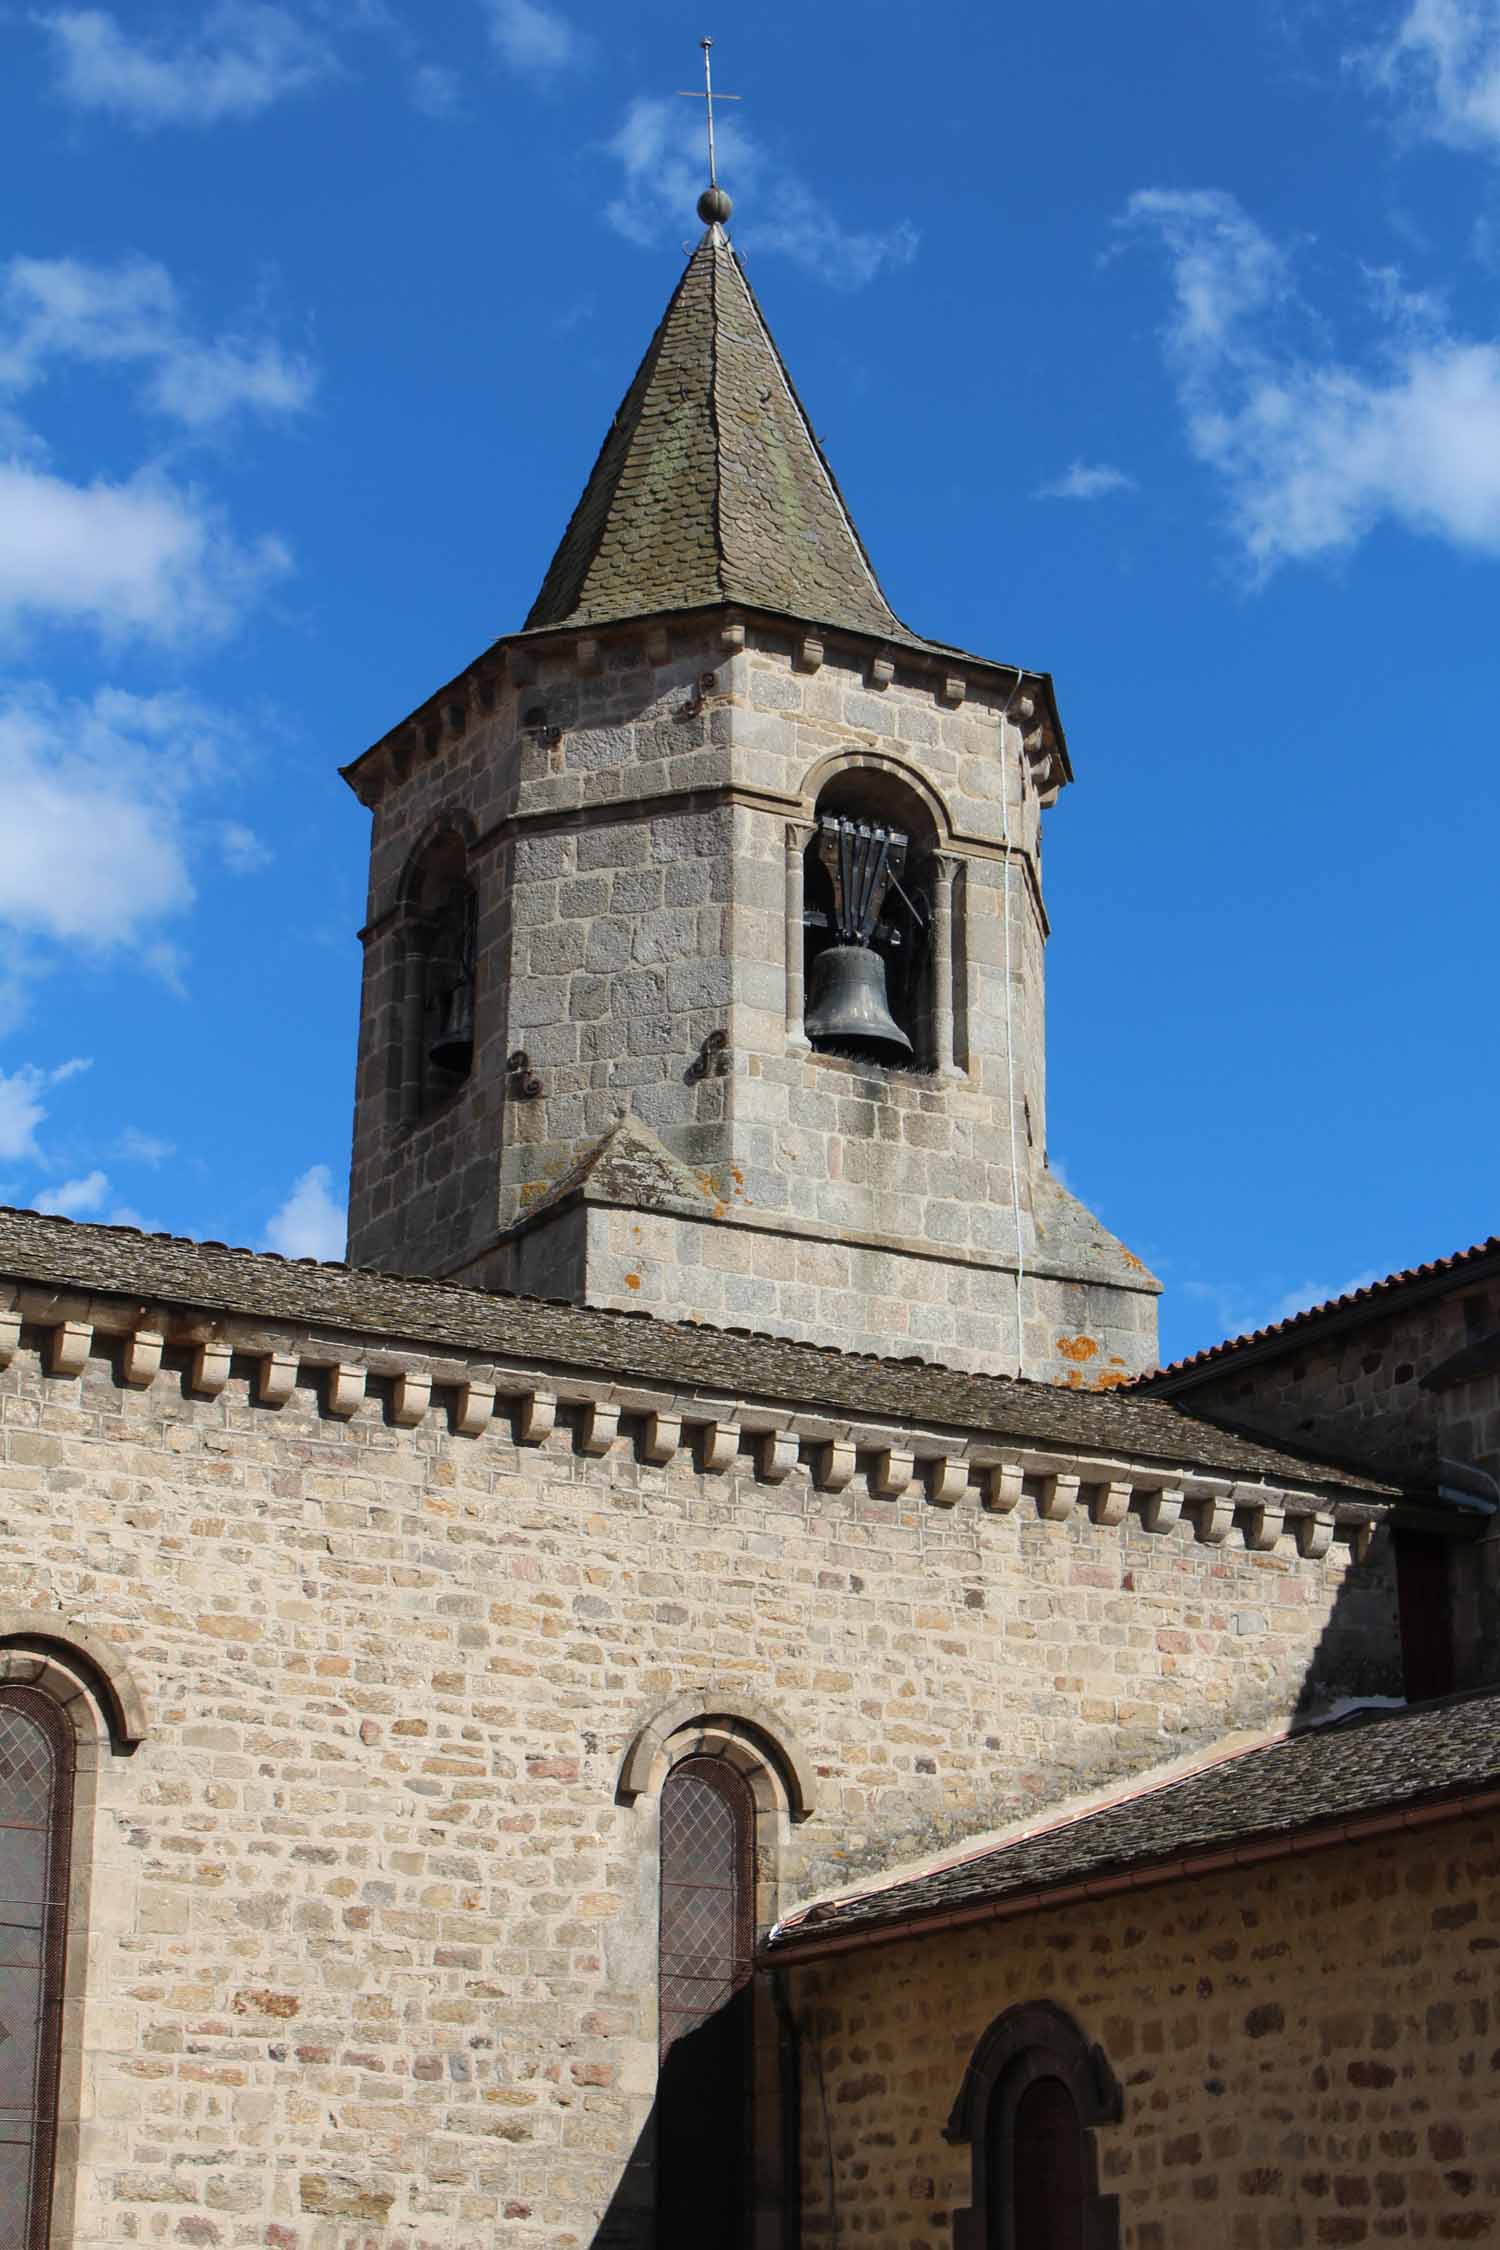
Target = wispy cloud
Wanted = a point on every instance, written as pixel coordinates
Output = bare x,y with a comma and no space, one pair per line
245,57
1442,65
101,828
310,1223
76,1199
1086,480
149,557
136,1147
434,90
129,313
537,41
1314,451
1241,1309
23,1106
659,149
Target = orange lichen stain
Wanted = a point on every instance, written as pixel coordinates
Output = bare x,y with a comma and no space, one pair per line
1074,1381
1109,1380
1078,1348
1138,1265
632,1281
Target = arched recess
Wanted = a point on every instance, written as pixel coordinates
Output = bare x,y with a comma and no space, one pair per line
1034,2069
437,930
871,965
717,1780
65,1687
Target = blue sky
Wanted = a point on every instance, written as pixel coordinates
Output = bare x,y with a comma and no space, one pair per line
1159,347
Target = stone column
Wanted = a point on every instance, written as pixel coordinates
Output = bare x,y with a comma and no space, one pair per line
944,868
798,836
412,941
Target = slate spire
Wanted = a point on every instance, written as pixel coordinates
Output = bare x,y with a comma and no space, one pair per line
710,486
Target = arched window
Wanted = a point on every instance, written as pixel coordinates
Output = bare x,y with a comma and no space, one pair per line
867,888
707,1935
1031,2099
438,1025
36,1810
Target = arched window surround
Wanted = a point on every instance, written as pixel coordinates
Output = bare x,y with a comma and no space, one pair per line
1034,2040
438,868
99,1709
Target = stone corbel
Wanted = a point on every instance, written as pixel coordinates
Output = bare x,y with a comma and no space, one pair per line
522,663
1361,1540
1162,1510
661,1438
658,645
952,691
473,1409
411,1396
590,656
947,1480
68,1347
892,1474
140,1360
776,1455
809,657
598,1427
346,1389
1057,1498
1265,1522
10,1334
1314,1535
486,686
210,1369
882,672
833,1466
1002,1487
731,639
1213,1515
1110,1504
456,716
275,1378
536,1417
720,1444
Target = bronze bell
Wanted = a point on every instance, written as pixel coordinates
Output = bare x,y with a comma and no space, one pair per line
848,1003
453,1048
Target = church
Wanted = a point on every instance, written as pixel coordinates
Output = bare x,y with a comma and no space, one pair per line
701,1688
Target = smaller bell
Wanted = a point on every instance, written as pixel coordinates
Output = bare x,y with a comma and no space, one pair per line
848,1006
453,1048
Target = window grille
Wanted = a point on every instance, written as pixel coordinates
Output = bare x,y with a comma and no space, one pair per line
36,1802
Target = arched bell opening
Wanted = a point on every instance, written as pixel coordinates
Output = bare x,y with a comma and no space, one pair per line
440,980
867,917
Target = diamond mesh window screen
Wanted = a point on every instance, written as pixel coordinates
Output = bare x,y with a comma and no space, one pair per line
707,1909
36,1775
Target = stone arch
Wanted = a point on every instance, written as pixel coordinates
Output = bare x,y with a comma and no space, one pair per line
436,935
881,766
72,1665
1033,2041
751,1737
451,819
101,1709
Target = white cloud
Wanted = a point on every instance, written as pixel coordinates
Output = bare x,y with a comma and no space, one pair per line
246,57
1313,451
1086,480
434,90
310,1224
242,850
75,1199
136,1147
533,39
23,1109
148,556
661,153
1443,63
129,312
99,831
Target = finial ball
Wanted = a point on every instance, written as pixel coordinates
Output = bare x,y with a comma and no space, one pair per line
714,207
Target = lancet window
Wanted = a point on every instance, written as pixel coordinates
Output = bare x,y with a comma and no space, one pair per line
441,966
36,1803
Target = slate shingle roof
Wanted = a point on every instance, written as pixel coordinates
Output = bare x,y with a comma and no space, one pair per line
63,1254
711,486
1368,1763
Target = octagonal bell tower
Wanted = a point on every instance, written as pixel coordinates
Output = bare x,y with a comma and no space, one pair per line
704,955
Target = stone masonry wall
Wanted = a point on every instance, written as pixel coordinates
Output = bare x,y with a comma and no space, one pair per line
1306,2052
373,1953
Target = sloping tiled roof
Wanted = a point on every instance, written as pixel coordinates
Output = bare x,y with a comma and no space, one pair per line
1369,1302
710,486
64,1254
1323,1778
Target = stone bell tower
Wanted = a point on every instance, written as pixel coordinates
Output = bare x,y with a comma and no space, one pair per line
704,959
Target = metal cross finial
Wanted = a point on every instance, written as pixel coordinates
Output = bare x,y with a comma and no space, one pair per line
715,198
